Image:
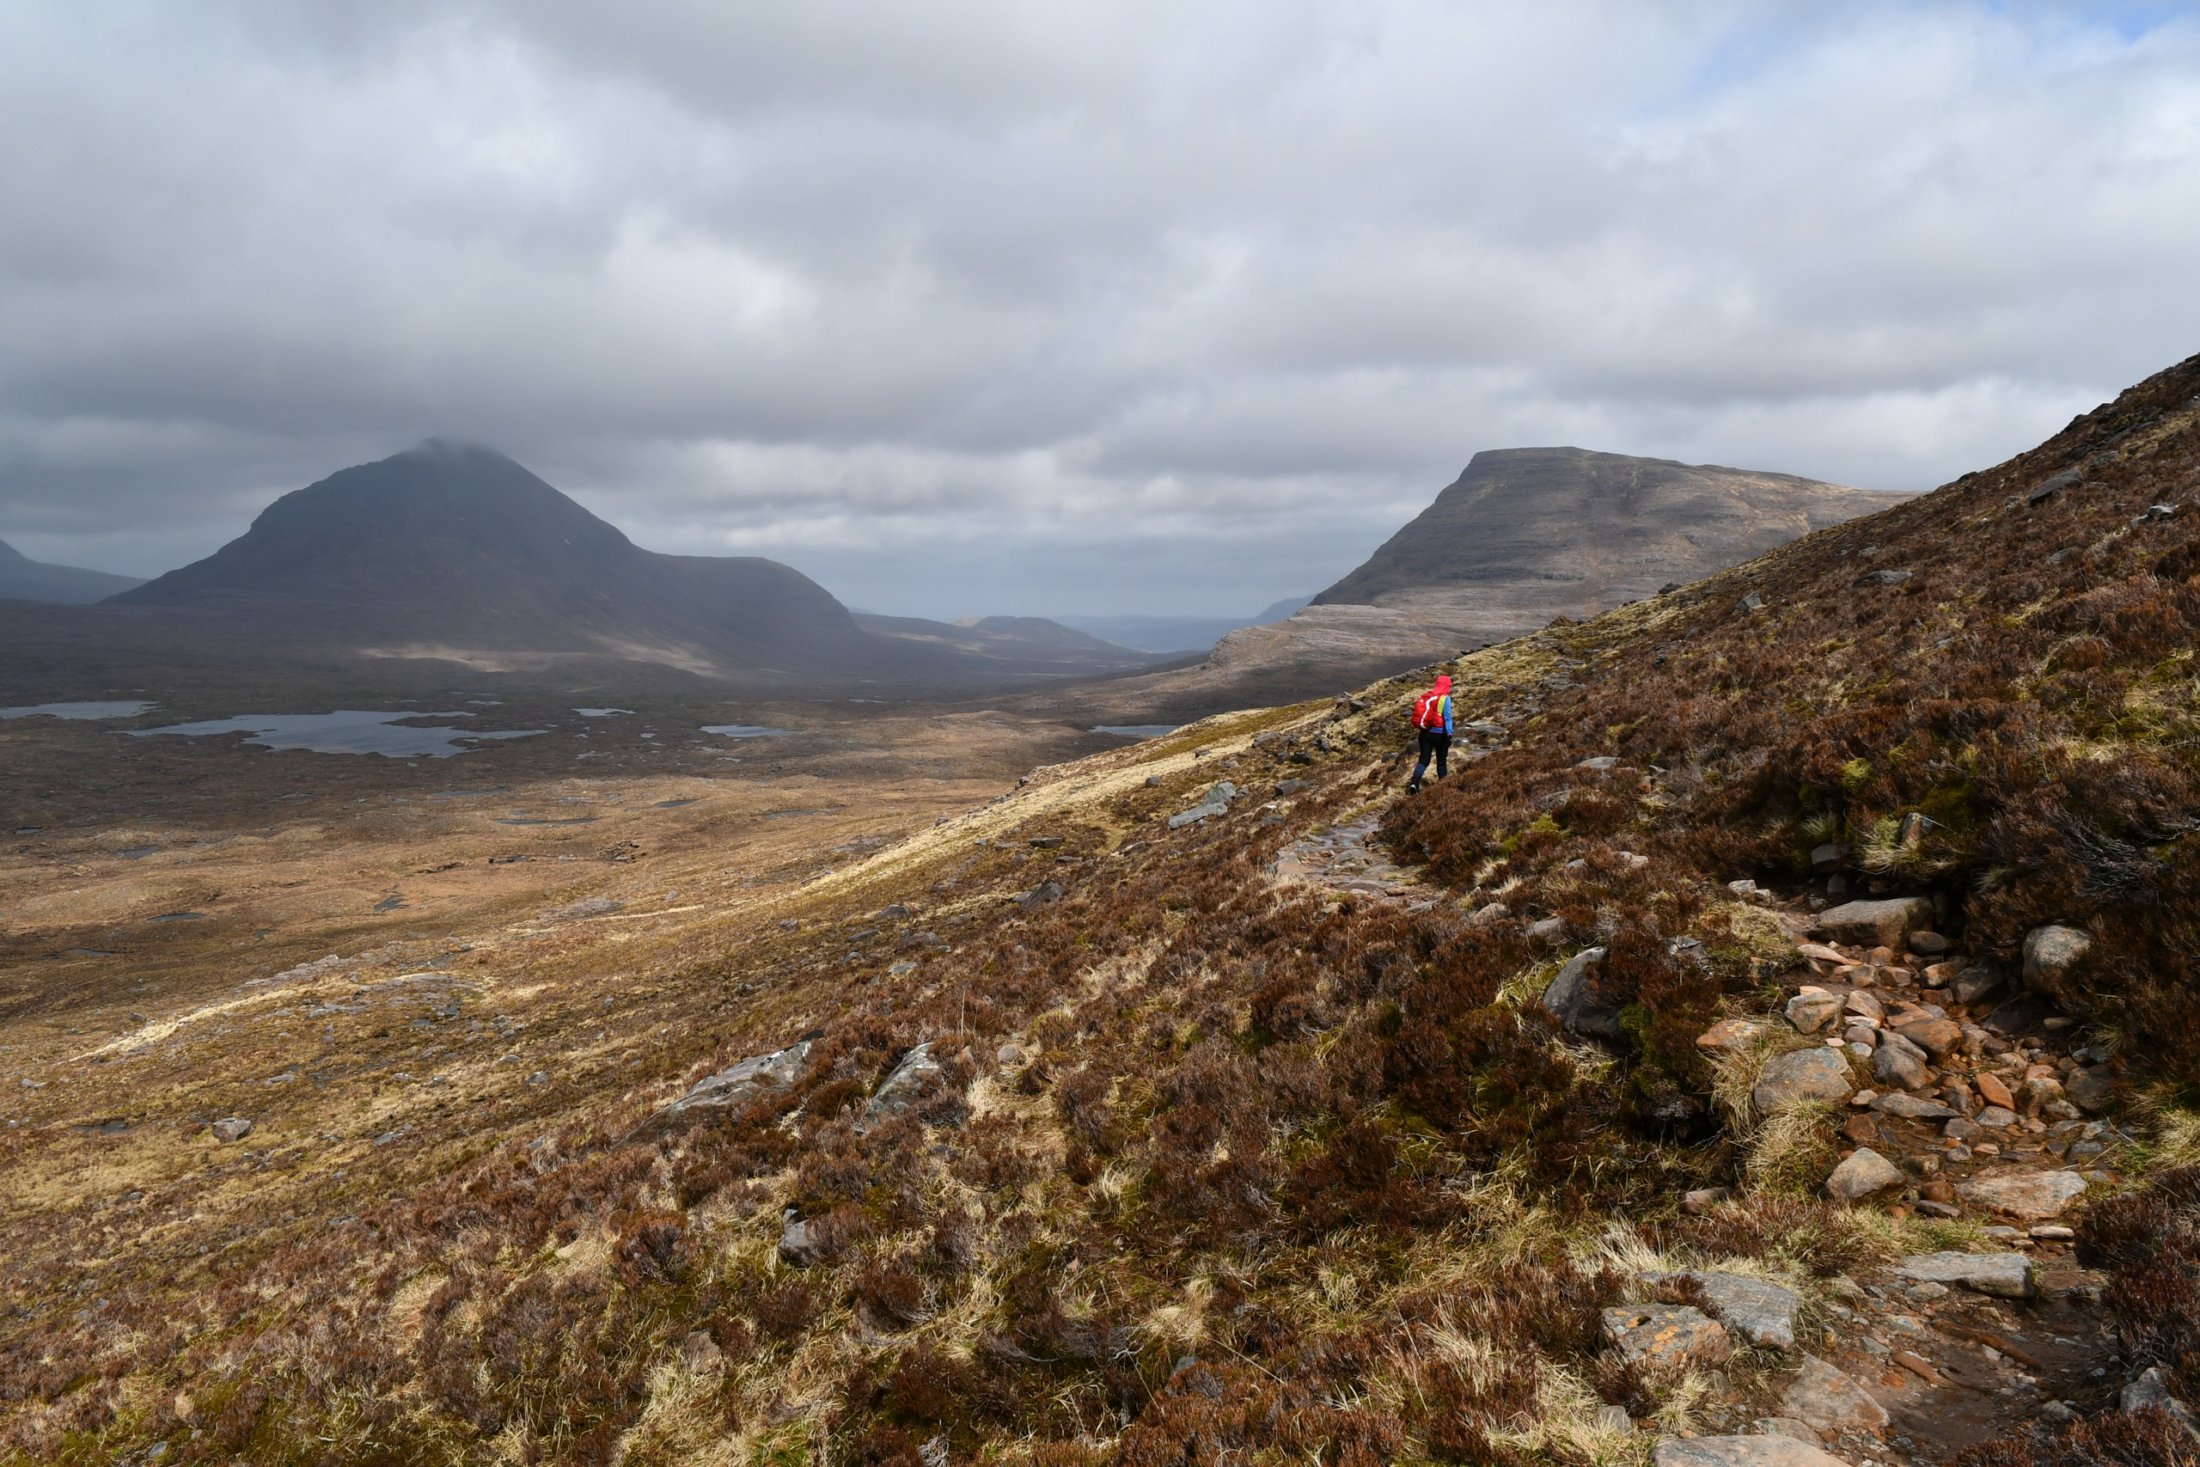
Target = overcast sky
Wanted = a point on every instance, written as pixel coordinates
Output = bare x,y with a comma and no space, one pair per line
971,306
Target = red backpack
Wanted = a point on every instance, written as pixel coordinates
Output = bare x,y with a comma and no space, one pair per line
1428,710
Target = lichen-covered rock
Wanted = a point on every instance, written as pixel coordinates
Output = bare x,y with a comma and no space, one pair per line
1760,1311
1667,1336
737,1085
1731,1035
902,1087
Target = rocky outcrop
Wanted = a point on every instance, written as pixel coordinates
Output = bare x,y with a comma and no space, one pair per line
1573,1000
737,1085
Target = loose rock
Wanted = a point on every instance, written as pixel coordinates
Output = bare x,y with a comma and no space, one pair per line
2028,1196
1574,1004
1829,1400
1812,1010
1731,1035
1741,1451
1863,1173
1887,923
2050,953
1758,1310
1800,1076
2003,1275
232,1128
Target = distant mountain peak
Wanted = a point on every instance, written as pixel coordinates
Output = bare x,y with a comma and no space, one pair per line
25,579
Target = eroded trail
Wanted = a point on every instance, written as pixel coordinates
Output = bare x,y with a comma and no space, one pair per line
1346,858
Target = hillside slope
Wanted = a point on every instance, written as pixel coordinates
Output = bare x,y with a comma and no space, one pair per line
1131,1118
24,579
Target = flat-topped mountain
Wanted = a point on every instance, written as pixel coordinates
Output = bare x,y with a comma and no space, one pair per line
24,579
1524,535
455,552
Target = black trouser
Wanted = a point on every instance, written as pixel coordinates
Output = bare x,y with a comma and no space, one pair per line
1434,743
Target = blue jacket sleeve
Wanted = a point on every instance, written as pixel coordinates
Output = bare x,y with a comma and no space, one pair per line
1447,715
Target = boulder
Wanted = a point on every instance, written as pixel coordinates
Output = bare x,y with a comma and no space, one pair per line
2150,1391
1044,894
1828,1400
1863,1173
2028,1196
1886,923
1801,1076
751,1079
2003,1275
1216,802
901,1087
1741,1451
232,1128
1574,1003
1758,1310
1813,1010
1666,1336
2050,955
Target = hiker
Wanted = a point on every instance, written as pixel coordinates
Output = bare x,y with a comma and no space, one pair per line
1432,721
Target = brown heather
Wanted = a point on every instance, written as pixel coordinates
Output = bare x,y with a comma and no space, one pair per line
1278,1172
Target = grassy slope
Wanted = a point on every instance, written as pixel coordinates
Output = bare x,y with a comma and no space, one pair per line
1217,1166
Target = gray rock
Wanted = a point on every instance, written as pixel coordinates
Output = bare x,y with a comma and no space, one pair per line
2091,1090
1863,1173
1751,602
1044,894
1666,1336
1488,915
1899,1062
2003,1275
734,1087
1911,1107
1829,1400
1599,762
1800,1076
1861,1038
1741,1451
1888,577
2050,954
1812,1010
1549,929
1974,983
1996,1117
1760,1311
2028,1196
1886,923
1572,1001
801,1242
1699,1200
2151,1390
2053,484
232,1128
1826,859
902,1086
1217,802
1787,1426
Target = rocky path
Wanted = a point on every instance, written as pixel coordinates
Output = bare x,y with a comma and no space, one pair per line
1964,1096
1344,858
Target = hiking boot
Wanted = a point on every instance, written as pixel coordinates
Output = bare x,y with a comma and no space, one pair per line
1413,786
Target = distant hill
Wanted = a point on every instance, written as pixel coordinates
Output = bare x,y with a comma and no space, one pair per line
24,579
1177,633
1522,536
450,551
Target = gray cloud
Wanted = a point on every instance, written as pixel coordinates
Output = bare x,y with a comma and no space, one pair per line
1077,307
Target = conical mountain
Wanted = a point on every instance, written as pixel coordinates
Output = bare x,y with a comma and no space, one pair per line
459,546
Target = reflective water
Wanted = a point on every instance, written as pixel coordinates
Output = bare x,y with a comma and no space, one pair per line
346,731
744,730
601,712
1137,730
77,710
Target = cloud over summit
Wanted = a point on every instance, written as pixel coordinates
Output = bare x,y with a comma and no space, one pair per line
999,307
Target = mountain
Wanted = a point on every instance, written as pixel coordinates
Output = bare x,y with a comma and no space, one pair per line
1177,633
1522,536
24,579
455,552
1525,534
